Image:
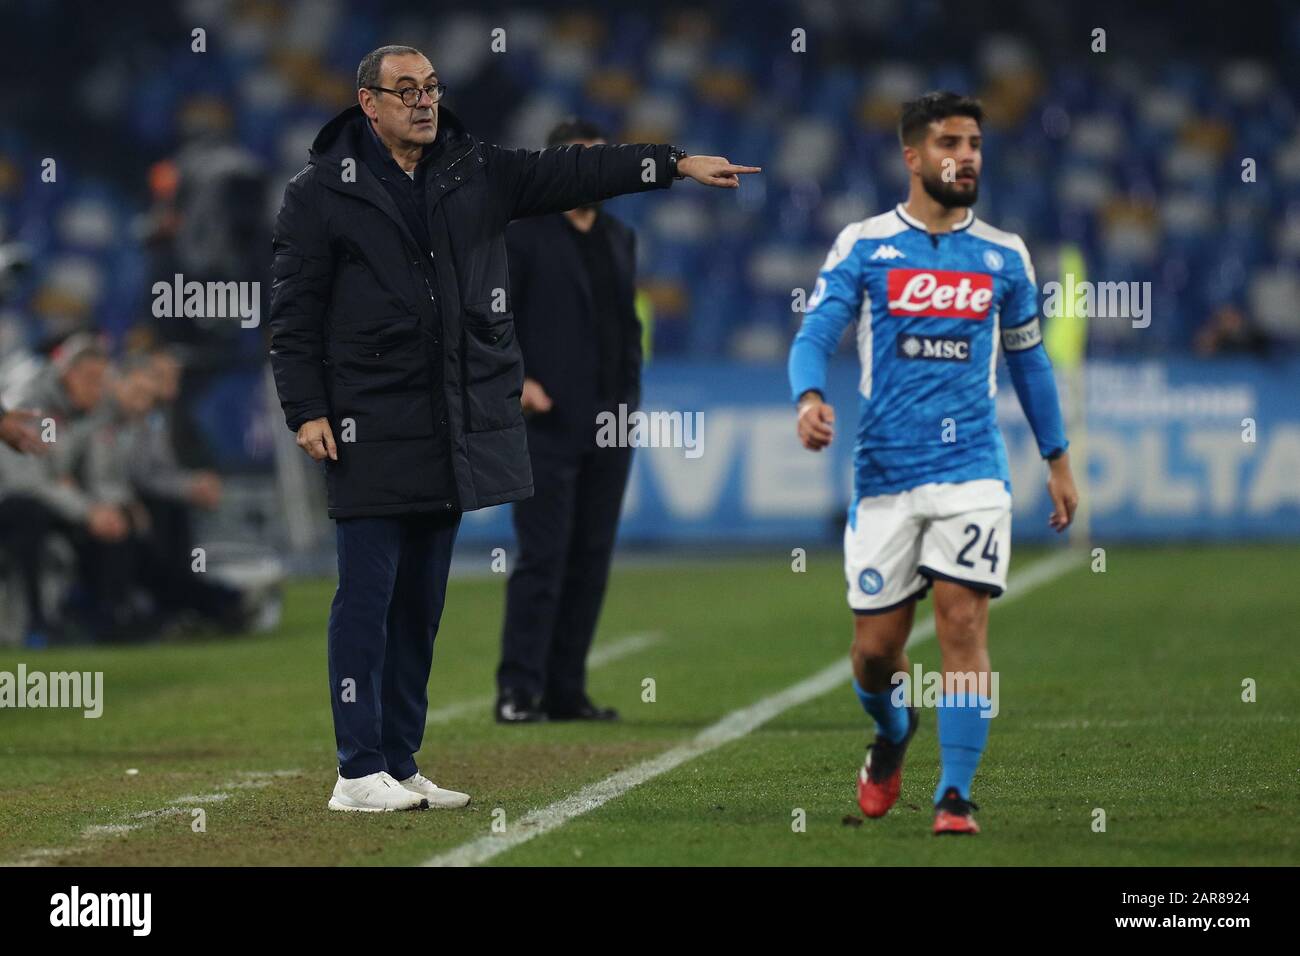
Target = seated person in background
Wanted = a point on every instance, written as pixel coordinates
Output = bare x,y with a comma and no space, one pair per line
39,495
163,481
128,464
171,491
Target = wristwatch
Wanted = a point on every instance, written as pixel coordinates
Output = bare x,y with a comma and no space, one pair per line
675,155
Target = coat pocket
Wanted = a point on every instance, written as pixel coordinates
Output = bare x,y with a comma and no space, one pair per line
379,349
380,381
494,370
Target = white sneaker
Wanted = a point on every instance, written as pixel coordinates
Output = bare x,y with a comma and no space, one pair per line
437,797
374,793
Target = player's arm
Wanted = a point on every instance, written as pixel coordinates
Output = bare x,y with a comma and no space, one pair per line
835,302
1035,385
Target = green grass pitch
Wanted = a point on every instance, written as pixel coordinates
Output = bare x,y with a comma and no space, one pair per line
1120,691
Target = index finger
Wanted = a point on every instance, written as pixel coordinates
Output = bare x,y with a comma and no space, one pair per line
732,168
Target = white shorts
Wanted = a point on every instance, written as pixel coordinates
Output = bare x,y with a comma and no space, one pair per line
896,545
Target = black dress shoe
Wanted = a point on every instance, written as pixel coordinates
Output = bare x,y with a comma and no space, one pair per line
516,707
582,709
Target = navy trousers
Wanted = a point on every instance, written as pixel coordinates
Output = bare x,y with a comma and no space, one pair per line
566,533
392,585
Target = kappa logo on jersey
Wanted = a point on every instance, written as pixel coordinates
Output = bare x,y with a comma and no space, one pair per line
888,252
934,348
942,293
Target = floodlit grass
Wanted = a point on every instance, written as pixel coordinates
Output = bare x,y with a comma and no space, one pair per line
1119,691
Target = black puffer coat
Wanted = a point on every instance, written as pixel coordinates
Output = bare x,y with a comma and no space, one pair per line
423,401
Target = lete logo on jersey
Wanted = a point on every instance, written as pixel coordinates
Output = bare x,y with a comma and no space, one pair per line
942,293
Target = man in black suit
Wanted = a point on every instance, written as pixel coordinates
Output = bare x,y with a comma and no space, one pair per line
572,280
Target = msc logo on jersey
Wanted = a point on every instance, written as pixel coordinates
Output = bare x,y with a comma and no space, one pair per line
871,581
943,293
887,252
935,348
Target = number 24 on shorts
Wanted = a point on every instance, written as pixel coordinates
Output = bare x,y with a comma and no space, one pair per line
989,552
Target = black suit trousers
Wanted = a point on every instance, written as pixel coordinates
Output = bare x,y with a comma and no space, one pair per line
565,536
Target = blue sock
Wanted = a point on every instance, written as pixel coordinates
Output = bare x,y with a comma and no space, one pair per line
962,736
891,721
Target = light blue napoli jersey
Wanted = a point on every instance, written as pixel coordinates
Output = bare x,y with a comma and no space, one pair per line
930,312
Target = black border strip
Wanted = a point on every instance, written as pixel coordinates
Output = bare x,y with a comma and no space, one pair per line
868,612
990,589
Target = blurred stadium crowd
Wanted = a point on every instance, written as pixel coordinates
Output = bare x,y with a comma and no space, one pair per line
1133,155
96,536
139,158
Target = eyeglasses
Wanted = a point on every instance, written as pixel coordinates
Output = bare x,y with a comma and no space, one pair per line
411,94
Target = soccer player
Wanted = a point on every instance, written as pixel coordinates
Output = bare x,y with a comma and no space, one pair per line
933,290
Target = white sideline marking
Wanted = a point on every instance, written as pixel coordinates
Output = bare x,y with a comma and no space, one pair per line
732,727
245,780
599,657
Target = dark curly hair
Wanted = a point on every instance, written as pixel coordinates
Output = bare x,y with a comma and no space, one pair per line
919,113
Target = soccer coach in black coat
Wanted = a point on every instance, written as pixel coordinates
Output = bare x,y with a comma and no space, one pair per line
395,358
